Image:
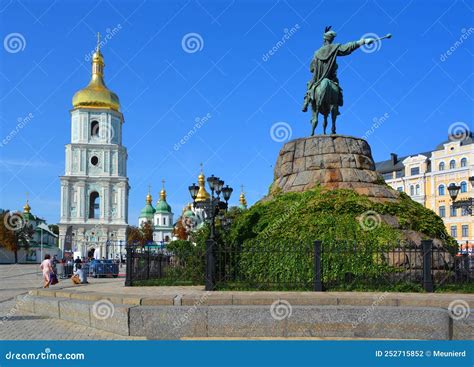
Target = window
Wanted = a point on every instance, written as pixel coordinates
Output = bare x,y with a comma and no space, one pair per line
441,166
387,176
164,221
399,174
465,231
454,231
442,211
452,164
415,171
94,161
95,128
453,211
94,205
400,189
464,162
417,190
464,211
441,190
412,190
463,186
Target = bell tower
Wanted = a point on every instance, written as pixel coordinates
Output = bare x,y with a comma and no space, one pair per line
94,188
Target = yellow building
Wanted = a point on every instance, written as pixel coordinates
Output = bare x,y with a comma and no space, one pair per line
425,177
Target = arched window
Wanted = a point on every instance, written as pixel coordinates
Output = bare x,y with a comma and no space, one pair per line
94,205
452,164
463,186
164,221
464,162
441,166
412,190
441,191
417,190
94,128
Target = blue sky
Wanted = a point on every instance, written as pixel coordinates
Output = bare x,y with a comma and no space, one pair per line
409,86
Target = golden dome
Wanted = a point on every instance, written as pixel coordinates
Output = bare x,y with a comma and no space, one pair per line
149,199
202,195
96,94
26,208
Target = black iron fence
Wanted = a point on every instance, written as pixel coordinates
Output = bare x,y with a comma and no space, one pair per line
318,266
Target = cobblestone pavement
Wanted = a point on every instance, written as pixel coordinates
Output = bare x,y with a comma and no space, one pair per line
15,324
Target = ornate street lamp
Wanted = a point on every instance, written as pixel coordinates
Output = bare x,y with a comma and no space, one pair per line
465,204
213,206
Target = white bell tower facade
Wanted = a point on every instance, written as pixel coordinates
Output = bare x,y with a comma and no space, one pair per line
94,188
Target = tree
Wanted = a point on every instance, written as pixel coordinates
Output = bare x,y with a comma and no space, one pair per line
15,232
180,230
54,228
147,232
134,235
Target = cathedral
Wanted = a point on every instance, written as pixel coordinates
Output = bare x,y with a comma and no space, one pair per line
94,188
161,217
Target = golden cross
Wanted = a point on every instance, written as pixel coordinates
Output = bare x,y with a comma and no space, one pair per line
149,188
163,181
201,166
98,41
242,188
27,196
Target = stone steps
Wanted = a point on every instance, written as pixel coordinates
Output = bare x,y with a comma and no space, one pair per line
266,315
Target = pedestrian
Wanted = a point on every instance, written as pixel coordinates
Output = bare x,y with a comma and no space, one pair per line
47,269
80,275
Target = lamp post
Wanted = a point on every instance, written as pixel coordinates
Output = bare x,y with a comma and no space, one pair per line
212,207
464,204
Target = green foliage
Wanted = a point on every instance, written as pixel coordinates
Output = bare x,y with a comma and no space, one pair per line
189,263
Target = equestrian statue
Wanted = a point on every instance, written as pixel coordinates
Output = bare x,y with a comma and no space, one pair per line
323,90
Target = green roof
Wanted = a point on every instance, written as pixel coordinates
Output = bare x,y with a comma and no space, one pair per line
147,211
163,207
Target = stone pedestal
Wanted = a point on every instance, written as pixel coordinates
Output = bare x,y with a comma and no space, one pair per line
332,161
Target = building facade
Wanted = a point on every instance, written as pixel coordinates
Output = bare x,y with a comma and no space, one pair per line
425,177
43,241
94,188
161,218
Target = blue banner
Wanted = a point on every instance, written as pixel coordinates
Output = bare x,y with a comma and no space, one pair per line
237,353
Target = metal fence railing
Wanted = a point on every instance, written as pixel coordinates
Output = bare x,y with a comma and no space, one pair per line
316,266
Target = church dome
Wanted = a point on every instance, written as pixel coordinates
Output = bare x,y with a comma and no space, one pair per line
188,212
96,94
148,210
162,206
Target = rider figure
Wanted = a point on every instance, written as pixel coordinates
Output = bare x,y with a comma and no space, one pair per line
324,66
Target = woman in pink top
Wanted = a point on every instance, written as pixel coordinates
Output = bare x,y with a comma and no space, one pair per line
47,269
